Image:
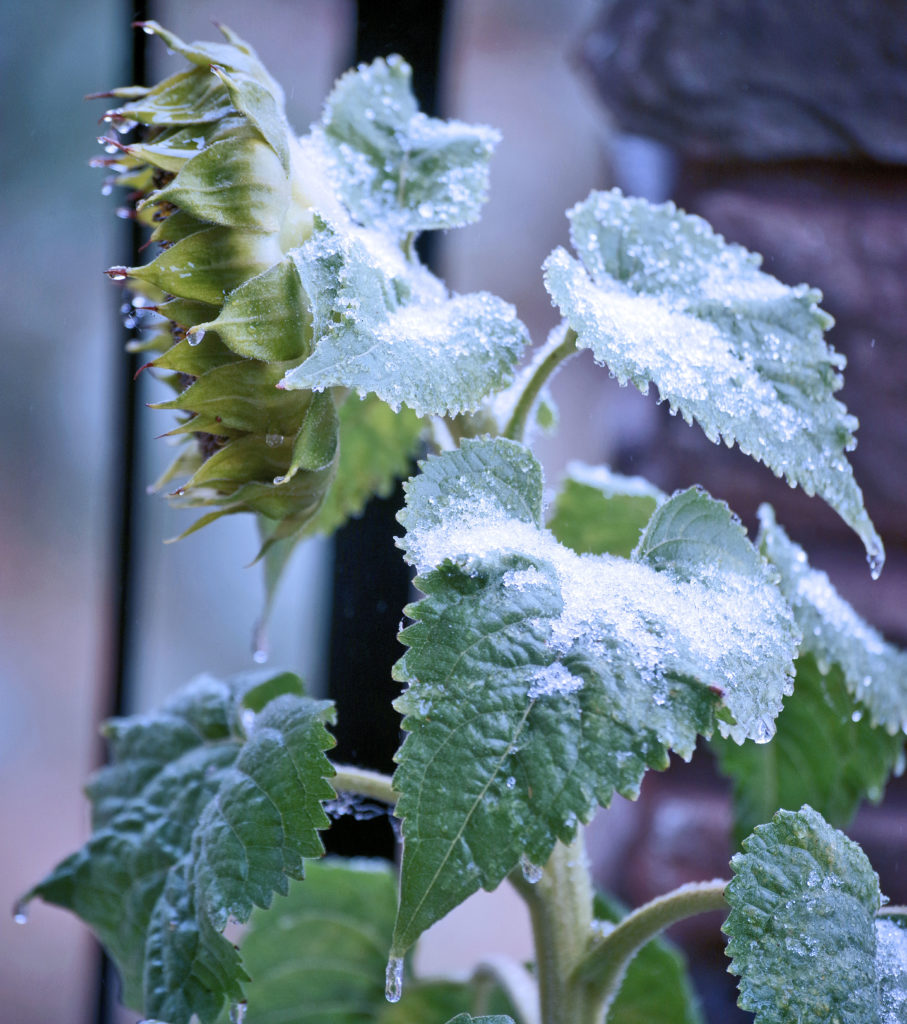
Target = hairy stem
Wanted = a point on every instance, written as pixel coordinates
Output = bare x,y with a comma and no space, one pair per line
516,428
602,968
515,980
364,782
560,907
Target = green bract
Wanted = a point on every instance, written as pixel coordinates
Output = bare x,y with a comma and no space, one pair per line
245,300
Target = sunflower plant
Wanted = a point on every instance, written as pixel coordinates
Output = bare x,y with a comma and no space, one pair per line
558,649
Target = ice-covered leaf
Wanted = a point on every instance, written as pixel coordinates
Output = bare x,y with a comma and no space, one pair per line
825,753
208,807
541,681
660,298
396,168
874,670
656,988
383,324
598,512
804,937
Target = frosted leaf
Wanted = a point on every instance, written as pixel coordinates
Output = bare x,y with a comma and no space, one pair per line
194,821
396,168
891,965
384,324
662,299
820,755
552,679
875,671
802,927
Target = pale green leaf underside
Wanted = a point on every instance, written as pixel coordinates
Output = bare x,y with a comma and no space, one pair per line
825,753
209,806
598,512
396,168
540,681
383,324
874,670
804,938
660,298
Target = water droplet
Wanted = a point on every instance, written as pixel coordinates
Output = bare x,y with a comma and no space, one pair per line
117,273
876,559
20,912
274,440
531,872
260,656
237,1013
148,30
194,336
856,716
278,480
260,643
393,979
510,782
107,188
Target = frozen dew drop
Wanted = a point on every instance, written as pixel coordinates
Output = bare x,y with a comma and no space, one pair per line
278,480
237,1013
531,872
195,336
510,782
20,912
876,559
393,979
260,643
117,273
856,716
148,30
273,440
107,188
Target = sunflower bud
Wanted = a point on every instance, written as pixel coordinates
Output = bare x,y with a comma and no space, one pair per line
227,191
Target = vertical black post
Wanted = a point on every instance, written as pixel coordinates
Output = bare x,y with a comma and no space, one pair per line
125,491
371,581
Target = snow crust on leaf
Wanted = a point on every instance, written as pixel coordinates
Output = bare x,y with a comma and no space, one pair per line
396,167
209,805
891,965
661,298
541,680
875,671
803,934
384,324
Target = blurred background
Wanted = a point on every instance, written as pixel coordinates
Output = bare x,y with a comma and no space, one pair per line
784,134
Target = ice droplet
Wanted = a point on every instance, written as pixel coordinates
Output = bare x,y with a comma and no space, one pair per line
856,716
237,1013
531,872
260,642
876,559
117,273
195,336
148,30
510,782
20,912
273,440
393,979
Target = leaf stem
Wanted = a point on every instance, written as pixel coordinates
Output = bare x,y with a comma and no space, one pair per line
516,427
602,969
364,782
515,980
560,907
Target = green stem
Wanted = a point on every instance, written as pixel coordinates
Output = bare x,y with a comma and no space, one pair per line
364,782
560,907
601,971
516,427
515,980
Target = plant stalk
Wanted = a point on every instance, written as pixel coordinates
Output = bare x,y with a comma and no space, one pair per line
364,782
516,427
560,907
515,980
601,971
